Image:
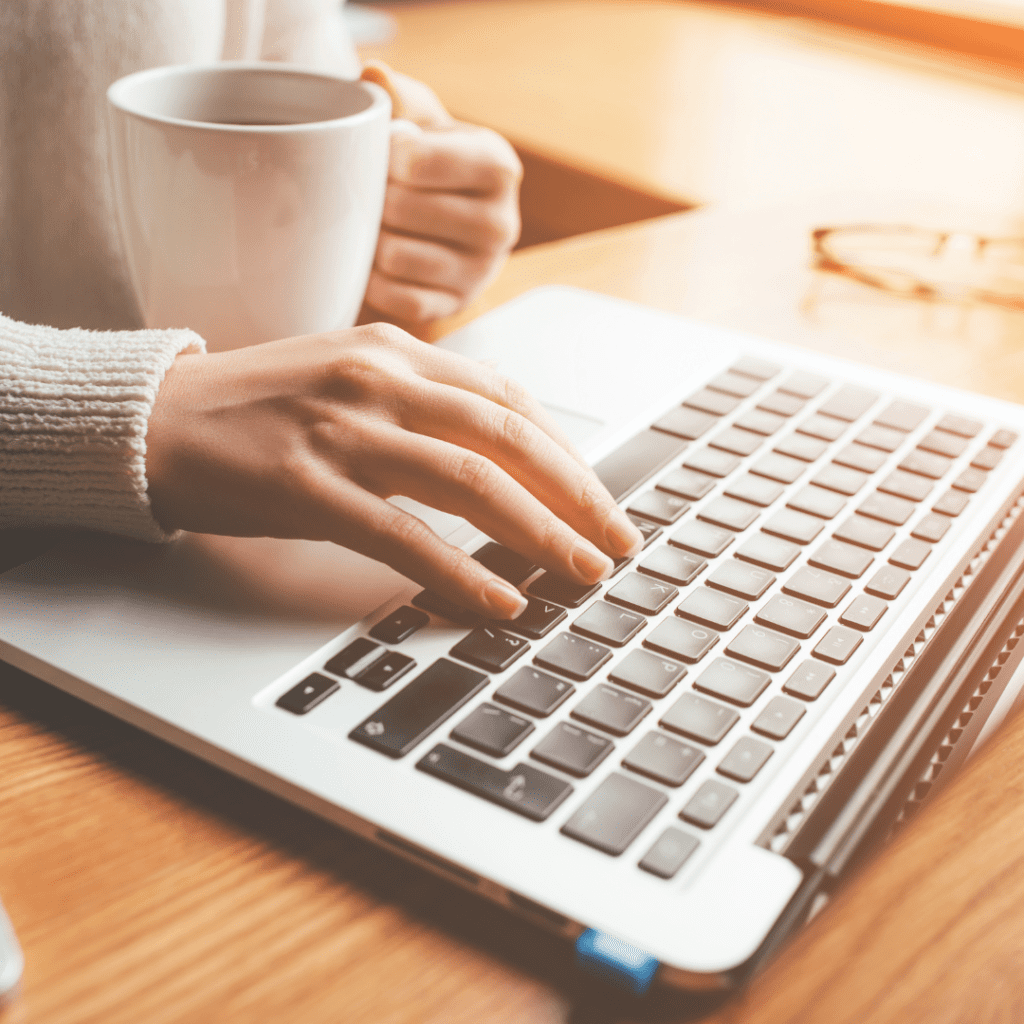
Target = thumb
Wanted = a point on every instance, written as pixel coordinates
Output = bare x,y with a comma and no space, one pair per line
410,99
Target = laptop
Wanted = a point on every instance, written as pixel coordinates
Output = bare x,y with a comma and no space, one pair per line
672,769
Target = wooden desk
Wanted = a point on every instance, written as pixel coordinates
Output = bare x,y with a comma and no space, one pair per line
146,886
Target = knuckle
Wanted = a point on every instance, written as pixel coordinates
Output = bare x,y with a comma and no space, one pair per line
404,531
386,335
473,473
591,496
498,226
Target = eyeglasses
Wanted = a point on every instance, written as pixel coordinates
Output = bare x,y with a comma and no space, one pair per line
950,266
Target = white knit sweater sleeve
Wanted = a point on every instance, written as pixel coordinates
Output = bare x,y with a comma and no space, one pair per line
74,408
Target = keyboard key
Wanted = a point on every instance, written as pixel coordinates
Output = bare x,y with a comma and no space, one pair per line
779,467
932,528
648,673
522,789
781,404
735,577
662,758
856,456
419,708
906,485
902,415
910,554
745,759
820,587
304,696
759,369
863,613
970,480
987,458
757,490
683,640
687,483
839,478
849,403
733,682
559,590
490,648
837,645
866,533
609,625
943,444
688,423
804,384
777,719
762,647
636,460
700,719
791,615
384,671
572,749
729,513
643,594
573,656
659,506
760,422
539,618
434,603
711,608
1003,439
534,691
734,384
802,447
358,654
952,503
613,710
888,508
673,565
648,530
702,538
507,564
739,442
961,425
816,501
399,625
614,814
792,525
882,438
809,680
771,552
492,730
844,559
711,461
888,582
669,853
926,464
822,427
708,805
712,401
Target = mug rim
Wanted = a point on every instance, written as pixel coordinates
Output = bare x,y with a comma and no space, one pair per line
117,99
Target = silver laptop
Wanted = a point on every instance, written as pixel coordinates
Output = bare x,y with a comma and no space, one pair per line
671,769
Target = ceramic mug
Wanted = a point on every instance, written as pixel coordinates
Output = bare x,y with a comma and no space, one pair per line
249,196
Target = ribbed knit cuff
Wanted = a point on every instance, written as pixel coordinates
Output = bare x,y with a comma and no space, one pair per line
74,408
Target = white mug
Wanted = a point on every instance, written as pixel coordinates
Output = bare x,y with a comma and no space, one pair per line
249,196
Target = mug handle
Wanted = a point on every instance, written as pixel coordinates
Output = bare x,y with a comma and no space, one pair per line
403,126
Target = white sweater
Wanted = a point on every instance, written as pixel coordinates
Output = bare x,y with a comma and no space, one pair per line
76,394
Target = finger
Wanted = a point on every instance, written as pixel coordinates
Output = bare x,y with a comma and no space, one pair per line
475,161
410,99
471,223
429,264
467,484
374,527
409,303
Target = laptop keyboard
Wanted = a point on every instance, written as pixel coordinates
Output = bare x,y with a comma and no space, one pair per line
782,514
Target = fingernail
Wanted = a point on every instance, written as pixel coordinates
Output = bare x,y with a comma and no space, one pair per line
504,600
590,565
622,535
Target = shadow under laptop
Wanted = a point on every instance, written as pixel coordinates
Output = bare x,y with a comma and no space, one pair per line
355,863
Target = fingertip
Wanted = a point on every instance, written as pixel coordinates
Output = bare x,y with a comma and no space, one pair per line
622,535
503,600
